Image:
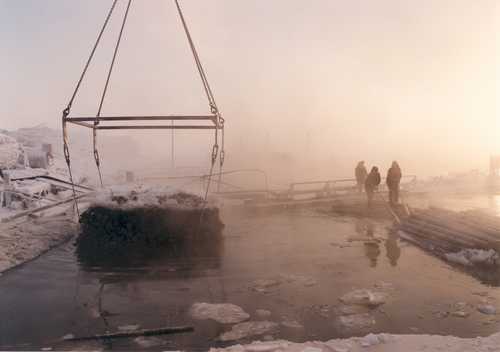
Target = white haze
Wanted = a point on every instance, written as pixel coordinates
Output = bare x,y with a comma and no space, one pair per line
307,88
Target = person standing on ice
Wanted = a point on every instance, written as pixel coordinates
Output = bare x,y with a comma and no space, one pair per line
393,179
371,184
361,174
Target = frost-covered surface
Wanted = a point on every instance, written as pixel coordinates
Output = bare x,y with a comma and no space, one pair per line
377,343
470,257
224,313
135,196
10,151
24,240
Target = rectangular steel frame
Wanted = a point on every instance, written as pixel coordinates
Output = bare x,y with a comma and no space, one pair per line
88,121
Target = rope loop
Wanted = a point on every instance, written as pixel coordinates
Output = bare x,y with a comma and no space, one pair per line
66,154
215,151
96,157
221,158
213,109
66,111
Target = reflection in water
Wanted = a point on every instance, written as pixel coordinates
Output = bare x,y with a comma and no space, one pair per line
392,249
493,204
371,246
183,257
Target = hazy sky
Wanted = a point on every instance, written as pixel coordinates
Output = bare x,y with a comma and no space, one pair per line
327,81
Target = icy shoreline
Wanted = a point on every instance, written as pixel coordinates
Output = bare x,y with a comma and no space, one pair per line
376,343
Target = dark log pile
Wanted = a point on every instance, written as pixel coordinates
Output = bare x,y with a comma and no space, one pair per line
126,222
443,231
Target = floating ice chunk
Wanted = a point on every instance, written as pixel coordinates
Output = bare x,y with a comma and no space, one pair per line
364,297
370,340
264,285
263,313
487,309
248,329
356,322
68,337
148,342
292,324
128,328
469,257
224,313
460,314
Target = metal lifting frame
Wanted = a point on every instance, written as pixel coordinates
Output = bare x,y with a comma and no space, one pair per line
214,120
84,121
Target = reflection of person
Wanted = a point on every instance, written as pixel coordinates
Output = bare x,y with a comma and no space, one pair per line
392,249
372,250
371,184
361,174
393,179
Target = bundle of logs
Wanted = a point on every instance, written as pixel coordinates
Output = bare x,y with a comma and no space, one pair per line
443,231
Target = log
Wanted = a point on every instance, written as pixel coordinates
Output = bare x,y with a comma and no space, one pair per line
413,236
488,221
471,241
454,225
144,332
447,246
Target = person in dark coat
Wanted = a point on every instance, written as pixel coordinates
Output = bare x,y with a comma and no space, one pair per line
361,174
393,179
371,184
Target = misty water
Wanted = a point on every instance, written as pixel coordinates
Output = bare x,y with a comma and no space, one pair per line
63,292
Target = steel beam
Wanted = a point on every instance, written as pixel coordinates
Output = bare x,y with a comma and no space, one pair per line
142,118
158,127
88,125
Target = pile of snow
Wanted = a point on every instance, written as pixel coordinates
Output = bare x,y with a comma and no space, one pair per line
224,313
471,257
10,152
135,196
376,342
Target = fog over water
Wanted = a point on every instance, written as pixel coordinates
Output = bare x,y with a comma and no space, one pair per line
307,88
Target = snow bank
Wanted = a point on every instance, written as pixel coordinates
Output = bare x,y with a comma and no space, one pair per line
134,196
10,152
27,239
376,342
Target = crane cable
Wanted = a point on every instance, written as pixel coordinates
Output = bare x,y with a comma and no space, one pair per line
219,120
110,71
67,110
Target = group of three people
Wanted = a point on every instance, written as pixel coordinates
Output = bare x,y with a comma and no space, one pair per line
371,181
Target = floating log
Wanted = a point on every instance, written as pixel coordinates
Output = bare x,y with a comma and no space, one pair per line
464,237
443,231
457,226
125,334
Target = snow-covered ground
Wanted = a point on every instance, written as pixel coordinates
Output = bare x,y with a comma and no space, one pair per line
377,343
23,240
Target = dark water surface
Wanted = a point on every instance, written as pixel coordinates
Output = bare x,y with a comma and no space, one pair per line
62,293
